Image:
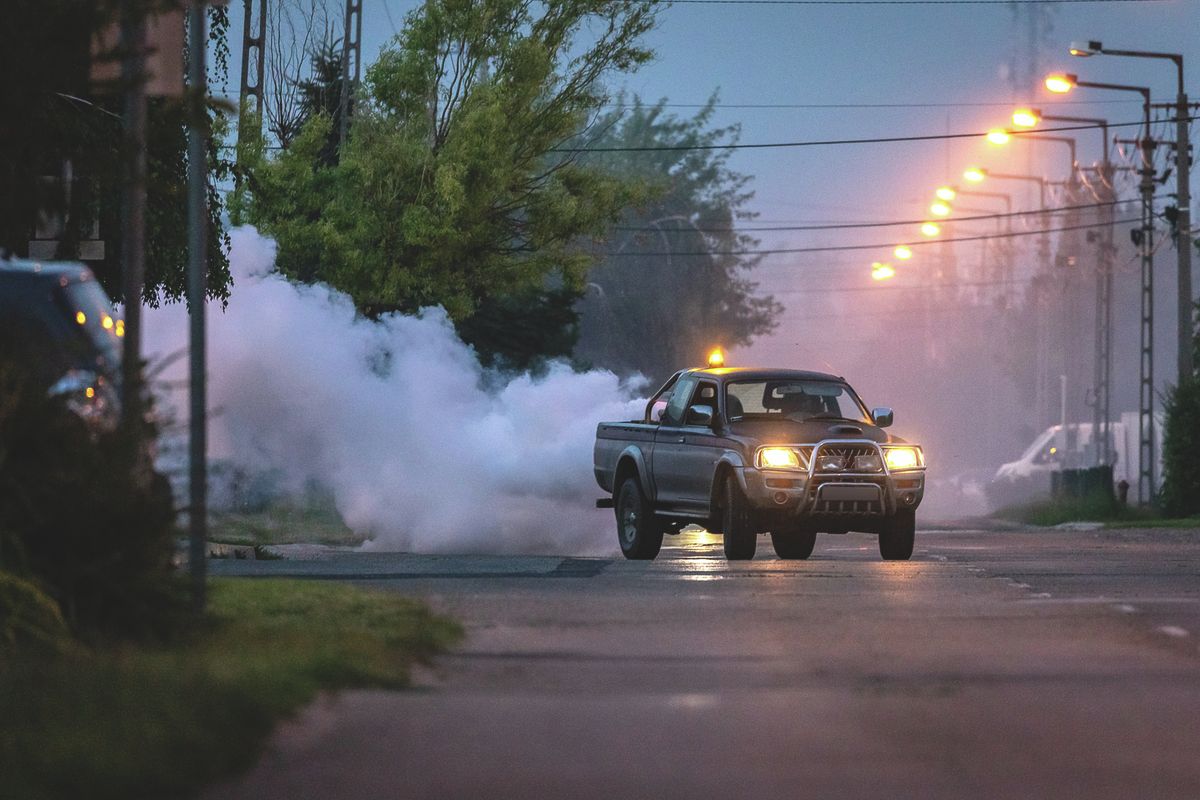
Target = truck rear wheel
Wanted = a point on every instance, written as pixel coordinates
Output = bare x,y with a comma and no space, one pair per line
898,536
794,543
737,529
639,530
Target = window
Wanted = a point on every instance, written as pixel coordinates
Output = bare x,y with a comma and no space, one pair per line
796,400
679,401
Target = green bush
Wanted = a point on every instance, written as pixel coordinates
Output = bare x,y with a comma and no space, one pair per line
28,617
85,516
1181,451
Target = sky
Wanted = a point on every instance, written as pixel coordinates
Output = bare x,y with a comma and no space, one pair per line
910,70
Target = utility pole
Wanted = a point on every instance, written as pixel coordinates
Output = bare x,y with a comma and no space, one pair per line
133,206
1183,160
253,54
351,51
1146,465
197,272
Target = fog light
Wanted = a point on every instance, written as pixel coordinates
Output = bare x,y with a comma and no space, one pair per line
868,463
831,463
781,497
909,498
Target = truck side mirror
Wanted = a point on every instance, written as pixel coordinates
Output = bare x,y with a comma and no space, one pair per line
882,416
700,415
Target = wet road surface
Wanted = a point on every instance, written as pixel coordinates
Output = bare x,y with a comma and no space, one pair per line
995,664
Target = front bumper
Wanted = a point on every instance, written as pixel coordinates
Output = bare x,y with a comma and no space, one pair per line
832,494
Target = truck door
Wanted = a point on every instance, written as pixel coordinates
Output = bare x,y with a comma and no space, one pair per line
685,455
667,463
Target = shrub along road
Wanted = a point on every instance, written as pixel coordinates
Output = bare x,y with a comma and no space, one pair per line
1003,665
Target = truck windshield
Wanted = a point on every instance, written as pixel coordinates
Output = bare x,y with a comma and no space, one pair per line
795,400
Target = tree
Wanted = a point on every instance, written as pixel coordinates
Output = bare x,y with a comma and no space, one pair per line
1181,443
462,178
66,137
674,280
297,31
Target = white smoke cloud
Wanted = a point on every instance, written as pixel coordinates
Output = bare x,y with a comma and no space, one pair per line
392,416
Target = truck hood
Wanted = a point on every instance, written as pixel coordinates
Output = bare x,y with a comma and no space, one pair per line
811,431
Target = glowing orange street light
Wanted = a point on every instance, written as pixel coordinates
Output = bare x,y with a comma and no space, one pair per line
903,252
998,136
974,174
946,193
882,271
940,209
930,229
80,317
1060,83
1026,118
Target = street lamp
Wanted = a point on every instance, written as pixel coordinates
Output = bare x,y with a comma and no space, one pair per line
882,271
945,193
903,252
1182,188
1061,84
997,136
940,209
930,229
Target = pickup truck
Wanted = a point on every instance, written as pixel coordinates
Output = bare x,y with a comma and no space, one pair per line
744,451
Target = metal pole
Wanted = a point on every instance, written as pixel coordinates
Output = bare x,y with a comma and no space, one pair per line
197,269
1146,465
351,51
133,223
1184,243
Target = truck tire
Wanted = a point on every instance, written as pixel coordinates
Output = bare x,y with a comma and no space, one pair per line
639,530
740,538
794,543
898,536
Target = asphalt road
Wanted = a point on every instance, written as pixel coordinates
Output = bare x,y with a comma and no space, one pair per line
994,665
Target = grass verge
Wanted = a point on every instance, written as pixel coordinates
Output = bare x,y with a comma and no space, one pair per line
1091,509
282,524
163,721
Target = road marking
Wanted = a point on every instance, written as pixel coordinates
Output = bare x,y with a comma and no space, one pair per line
692,702
1173,630
1125,608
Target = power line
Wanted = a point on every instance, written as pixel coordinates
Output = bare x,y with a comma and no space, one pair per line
930,137
998,104
895,2
923,287
878,246
852,225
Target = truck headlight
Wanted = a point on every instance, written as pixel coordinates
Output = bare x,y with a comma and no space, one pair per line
903,458
778,458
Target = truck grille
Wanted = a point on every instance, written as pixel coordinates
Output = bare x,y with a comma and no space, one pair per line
847,450
847,507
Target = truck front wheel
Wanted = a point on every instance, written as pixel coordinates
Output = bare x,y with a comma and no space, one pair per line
736,525
898,536
639,530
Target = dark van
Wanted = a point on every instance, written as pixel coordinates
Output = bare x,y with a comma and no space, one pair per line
56,318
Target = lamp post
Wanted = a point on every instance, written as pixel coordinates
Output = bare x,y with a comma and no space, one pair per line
1061,84
1182,188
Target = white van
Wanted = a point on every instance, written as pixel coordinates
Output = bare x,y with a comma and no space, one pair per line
1062,447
